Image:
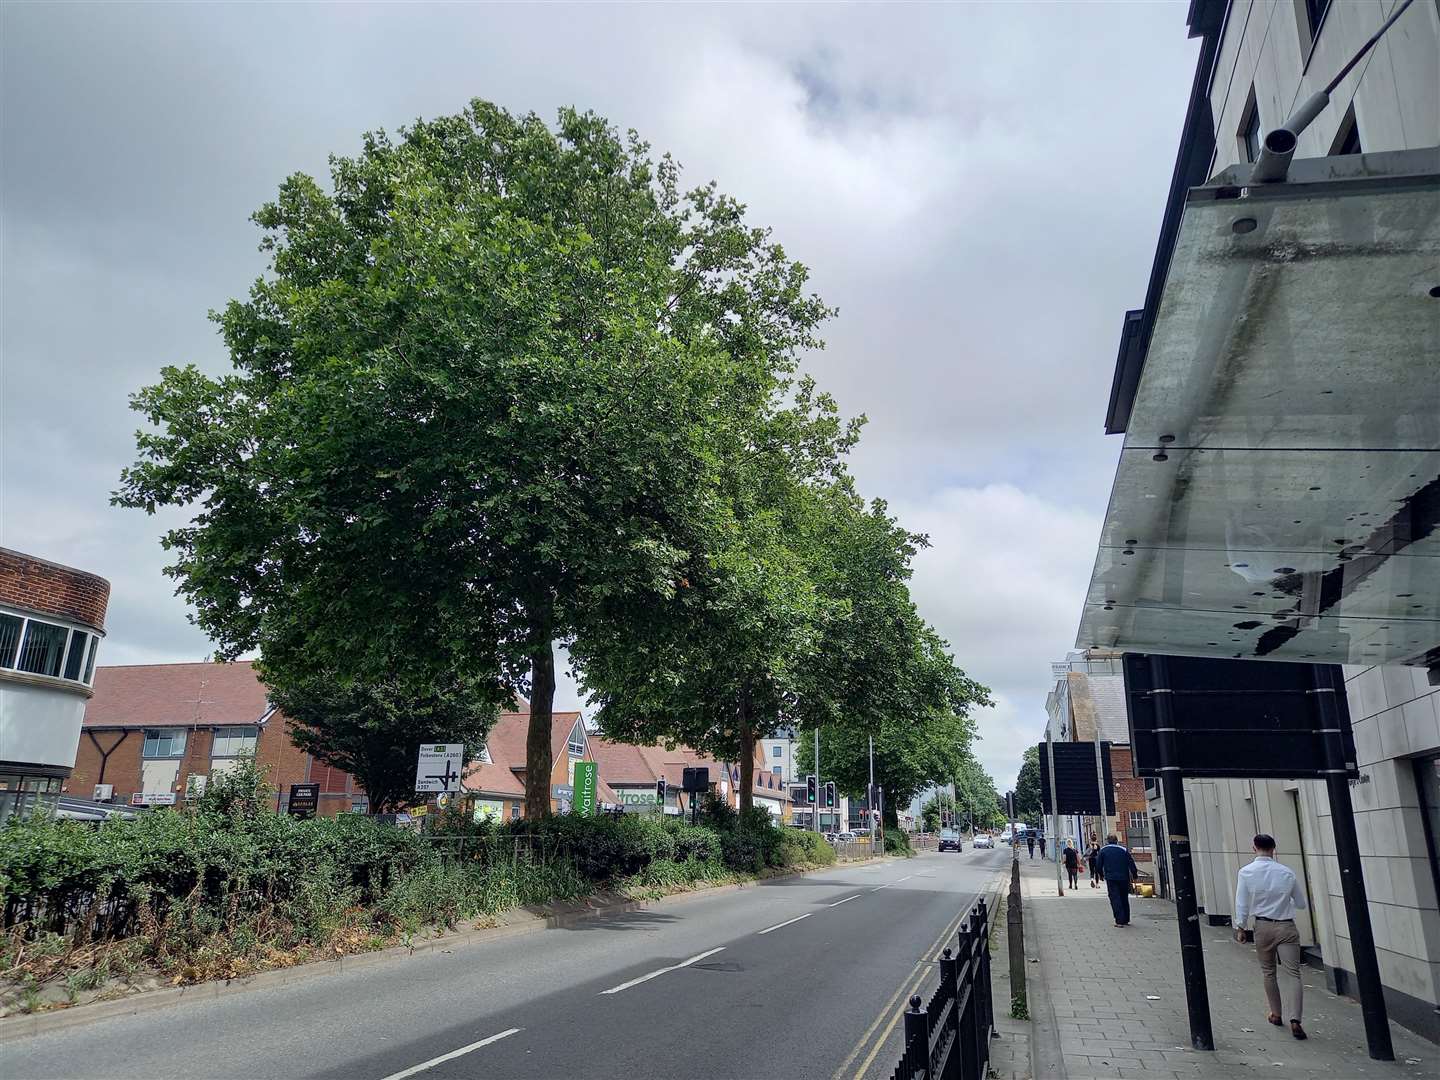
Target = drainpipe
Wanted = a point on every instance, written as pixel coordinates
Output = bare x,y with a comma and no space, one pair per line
105,754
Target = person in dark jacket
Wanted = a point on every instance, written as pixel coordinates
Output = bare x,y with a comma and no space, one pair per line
1071,858
1030,843
1092,860
1119,870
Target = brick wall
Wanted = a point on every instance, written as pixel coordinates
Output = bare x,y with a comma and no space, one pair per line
283,762
51,589
1129,798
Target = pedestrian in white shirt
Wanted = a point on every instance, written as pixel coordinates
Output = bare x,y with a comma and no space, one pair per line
1270,892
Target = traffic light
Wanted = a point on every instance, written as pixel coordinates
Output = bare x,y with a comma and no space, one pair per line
660,792
830,794
810,790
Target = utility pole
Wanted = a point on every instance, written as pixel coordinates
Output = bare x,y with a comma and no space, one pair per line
1054,813
870,796
819,784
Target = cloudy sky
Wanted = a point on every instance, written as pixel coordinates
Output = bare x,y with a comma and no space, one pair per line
977,187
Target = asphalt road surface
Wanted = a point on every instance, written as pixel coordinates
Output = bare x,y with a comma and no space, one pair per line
801,977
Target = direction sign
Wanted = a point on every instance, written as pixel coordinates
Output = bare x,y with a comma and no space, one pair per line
438,768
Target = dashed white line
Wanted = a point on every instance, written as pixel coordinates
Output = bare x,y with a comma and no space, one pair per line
450,1056
847,899
897,881
653,975
787,922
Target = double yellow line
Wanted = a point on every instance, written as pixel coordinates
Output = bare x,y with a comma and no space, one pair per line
910,983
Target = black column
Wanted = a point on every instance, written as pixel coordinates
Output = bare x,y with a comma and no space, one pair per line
1182,873
1347,854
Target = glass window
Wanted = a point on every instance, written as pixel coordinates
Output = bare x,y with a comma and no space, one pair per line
234,741
75,658
576,746
1250,130
90,660
778,770
9,638
164,743
43,648
776,751
1137,835
1314,15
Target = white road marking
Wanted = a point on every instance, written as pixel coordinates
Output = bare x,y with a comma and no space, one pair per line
658,972
787,922
450,1056
847,899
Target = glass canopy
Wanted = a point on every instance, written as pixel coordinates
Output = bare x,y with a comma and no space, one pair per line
1278,495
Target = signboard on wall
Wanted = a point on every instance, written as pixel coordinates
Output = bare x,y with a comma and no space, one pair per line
1237,718
304,800
153,798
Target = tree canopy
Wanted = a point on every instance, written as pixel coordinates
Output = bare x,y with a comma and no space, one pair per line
486,388
1027,787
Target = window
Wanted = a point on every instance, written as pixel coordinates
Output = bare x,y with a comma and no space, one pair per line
1312,15
777,770
10,626
485,758
576,745
43,648
1250,130
1137,834
1347,139
234,741
164,743
90,661
76,656
777,751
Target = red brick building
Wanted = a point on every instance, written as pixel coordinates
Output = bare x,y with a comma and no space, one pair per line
52,618
152,730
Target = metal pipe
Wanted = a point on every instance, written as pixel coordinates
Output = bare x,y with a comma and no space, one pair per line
1278,147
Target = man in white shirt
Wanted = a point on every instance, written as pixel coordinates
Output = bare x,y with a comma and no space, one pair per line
1269,891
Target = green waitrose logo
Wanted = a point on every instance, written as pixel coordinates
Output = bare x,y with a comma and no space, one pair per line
586,778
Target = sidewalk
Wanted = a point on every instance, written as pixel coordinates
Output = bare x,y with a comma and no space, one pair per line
1111,1002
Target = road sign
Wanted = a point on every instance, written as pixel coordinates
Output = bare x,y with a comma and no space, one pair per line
586,777
438,768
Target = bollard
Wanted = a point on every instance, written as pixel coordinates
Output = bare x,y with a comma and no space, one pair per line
917,1038
1015,935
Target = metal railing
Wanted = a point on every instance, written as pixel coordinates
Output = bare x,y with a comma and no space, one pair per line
949,1038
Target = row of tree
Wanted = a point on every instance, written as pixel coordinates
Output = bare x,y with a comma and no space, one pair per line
506,386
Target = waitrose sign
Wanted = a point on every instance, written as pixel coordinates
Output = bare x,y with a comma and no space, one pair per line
586,781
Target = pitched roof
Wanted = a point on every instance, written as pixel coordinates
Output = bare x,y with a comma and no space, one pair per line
1099,700
177,695
506,744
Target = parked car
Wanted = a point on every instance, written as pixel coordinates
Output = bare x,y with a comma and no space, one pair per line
950,840
983,841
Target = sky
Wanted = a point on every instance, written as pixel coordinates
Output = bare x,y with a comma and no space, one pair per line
977,188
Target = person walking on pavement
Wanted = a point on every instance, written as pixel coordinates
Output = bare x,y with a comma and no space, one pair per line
1092,860
1071,858
1270,891
1030,843
1119,870
1041,839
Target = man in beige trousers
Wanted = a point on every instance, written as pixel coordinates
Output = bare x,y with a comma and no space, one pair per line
1269,891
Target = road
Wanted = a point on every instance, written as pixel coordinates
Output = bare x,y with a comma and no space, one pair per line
799,977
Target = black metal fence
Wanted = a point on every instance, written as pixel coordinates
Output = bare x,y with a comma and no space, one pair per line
949,1039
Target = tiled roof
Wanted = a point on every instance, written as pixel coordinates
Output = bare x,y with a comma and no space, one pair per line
506,743
175,695
1098,700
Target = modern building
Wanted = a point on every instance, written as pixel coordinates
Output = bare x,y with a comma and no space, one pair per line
154,735
1086,703
778,754
52,618
1278,491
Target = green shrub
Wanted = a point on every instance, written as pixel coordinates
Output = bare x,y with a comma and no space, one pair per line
897,842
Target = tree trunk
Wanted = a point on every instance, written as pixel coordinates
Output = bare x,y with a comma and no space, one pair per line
538,759
747,754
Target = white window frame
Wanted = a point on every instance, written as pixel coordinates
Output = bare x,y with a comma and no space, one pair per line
168,735
570,744
250,731
87,666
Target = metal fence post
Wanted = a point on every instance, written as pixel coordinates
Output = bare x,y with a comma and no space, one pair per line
917,1038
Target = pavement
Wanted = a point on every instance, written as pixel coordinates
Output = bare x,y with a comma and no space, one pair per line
799,977
1110,1002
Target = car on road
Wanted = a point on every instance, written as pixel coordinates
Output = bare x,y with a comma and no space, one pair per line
845,837
983,841
950,840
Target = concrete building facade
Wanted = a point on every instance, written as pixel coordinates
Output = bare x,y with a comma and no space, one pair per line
1259,60
52,619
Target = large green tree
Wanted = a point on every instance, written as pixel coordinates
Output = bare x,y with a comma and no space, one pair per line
482,390
1027,787
374,730
975,793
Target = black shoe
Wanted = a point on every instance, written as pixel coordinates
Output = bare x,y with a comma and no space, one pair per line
1297,1030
